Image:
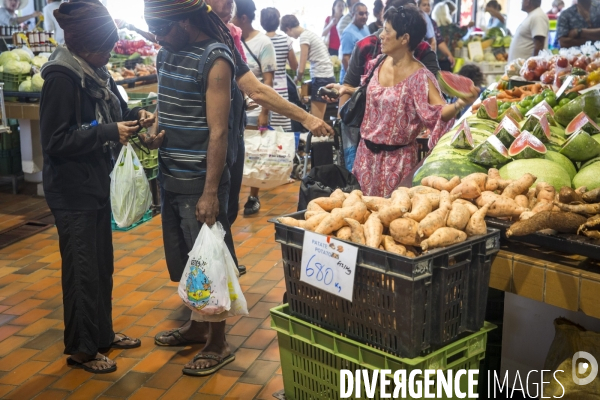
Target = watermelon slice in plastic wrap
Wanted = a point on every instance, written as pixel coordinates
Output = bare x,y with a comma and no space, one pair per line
583,122
527,146
455,85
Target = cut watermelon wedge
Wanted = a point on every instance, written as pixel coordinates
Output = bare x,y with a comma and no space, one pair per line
542,130
463,139
582,122
507,131
540,109
514,113
527,146
488,109
490,153
455,85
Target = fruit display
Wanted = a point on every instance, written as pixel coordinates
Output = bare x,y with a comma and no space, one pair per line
409,223
132,47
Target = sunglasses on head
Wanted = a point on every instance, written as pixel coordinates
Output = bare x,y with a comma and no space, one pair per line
162,30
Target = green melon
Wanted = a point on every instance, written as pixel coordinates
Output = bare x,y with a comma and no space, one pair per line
545,171
563,161
589,162
588,177
446,169
580,147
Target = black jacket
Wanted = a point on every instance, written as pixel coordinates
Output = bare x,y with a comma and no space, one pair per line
77,165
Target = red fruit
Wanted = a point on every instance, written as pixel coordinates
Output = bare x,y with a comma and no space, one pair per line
547,77
529,75
562,62
540,70
531,65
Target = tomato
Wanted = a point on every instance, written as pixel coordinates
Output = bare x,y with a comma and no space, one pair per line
562,62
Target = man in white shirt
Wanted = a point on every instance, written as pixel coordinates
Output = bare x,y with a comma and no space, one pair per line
8,13
50,24
532,35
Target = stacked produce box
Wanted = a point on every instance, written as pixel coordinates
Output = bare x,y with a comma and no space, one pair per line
10,151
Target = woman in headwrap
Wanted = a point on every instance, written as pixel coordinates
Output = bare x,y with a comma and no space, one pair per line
81,113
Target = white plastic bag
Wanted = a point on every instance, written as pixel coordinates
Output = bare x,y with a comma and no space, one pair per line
209,284
130,195
269,158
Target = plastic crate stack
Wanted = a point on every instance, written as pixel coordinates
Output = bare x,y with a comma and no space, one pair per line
148,158
12,81
10,152
421,313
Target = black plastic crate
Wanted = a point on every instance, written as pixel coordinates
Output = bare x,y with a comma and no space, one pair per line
405,306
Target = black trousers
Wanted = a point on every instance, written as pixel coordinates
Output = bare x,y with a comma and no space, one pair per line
237,173
85,240
181,228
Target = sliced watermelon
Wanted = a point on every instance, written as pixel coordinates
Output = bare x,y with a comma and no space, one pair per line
527,146
530,123
463,139
542,130
490,153
447,169
455,85
507,130
583,122
514,113
488,108
580,147
540,109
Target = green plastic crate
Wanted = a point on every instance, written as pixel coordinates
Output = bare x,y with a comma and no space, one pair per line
12,81
312,357
142,100
147,217
148,158
151,173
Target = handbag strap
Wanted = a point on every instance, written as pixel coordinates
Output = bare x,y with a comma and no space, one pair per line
252,54
377,64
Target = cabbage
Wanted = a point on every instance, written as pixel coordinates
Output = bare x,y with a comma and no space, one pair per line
1,69
25,86
39,61
36,83
8,56
12,67
23,54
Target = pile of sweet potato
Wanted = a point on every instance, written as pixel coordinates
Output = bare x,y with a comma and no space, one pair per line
534,208
410,222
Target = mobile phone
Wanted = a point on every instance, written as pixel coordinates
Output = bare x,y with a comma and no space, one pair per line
331,93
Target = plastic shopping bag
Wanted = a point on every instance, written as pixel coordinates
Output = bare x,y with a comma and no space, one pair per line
130,195
209,284
269,158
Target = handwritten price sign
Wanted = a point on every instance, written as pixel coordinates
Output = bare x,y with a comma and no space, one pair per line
329,264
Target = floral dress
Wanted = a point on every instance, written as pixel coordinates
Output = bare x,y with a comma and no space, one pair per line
396,116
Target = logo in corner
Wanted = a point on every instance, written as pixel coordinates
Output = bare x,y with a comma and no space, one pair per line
590,365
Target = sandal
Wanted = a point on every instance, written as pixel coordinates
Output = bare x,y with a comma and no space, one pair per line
76,364
212,369
118,345
176,333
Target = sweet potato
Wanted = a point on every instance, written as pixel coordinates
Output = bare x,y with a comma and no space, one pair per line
491,184
411,252
401,197
289,221
503,207
468,190
526,215
587,209
520,186
433,221
581,190
439,183
373,231
313,222
357,233
357,212
390,213
375,203
338,194
389,244
494,174
593,196
470,206
355,197
415,190
330,224
312,206
592,223
545,192
567,195
309,214
477,225
445,200
344,233
421,206
443,237
479,178
564,222
532,198
405,231
522,200
328,203
542,206
434,199
459,216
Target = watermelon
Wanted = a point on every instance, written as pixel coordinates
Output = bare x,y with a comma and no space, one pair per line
545,170
588,177
588,103
530,123
455,85
596,137
583,122
462,139
542,108
542,130
557,131
580,147
526,146
490,153
514,112
563,161
589,162
488,109
447,169
507,131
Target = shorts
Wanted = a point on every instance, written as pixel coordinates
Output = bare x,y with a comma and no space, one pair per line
316,84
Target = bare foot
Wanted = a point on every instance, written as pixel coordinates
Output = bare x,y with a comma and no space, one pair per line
97,362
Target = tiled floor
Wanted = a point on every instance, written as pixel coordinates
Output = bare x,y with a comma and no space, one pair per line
144,302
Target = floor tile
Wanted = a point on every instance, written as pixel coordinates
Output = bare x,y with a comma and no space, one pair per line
23,372
242,391
146,393
127,385
89,390
154,361
165,377
220,382
184,388
260,339
29,389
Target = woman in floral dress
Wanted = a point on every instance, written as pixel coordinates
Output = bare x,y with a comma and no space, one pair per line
403,99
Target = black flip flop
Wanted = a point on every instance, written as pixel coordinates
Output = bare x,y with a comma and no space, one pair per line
221,362
118,345
76,364
176,333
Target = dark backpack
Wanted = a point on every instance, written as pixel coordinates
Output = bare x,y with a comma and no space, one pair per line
323,180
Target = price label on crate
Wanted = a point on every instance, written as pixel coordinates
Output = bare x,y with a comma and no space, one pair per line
329,264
